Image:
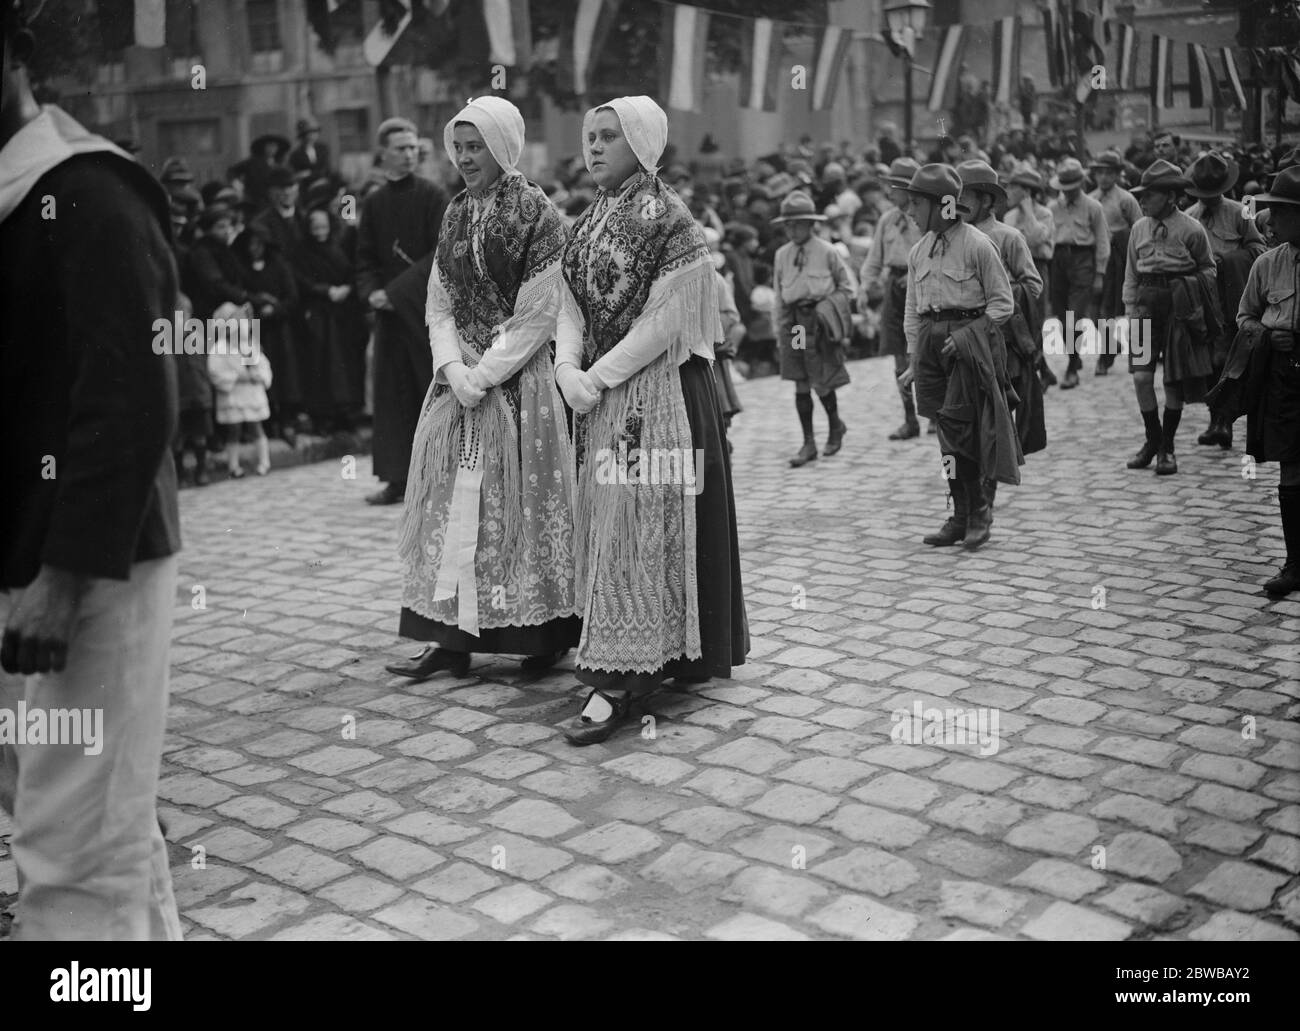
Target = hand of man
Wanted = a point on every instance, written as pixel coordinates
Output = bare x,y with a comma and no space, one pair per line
380,302
1098,281
875,291
577,388
458,377
39,630
906,377
949,348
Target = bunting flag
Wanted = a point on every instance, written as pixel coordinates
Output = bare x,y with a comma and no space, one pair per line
584,38
318,17
828,63
685,31
1125,57
943,86
1162,74
150,23
1086,48
760,63
1202,84
1053,54
1290,75
510,34
1006,59
1237,92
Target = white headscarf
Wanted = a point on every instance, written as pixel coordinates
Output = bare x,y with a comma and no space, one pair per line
500,124
644,124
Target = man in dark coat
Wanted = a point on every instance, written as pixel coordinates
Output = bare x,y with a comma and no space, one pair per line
398,227
89,528
310,159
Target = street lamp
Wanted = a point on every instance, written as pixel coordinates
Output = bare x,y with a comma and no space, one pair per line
905,20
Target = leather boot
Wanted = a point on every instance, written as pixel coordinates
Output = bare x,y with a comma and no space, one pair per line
835,437
1143,458
991,494
1211,435
910,428
1225,433
979,521
1288,580
1166,463
1155,436
954,527
807,453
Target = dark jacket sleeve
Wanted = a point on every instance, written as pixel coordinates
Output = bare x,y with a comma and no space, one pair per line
370,266
215,286
117,277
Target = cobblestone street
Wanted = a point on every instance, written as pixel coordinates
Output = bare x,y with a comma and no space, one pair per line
1142,780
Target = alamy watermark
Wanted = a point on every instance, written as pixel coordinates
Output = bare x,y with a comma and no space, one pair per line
33,725
1086,337
643,466
932,726
179,335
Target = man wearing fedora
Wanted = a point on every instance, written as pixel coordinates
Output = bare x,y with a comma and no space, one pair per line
1270,314
1172,305
884,280
1122,212
806,272
310,159
982,193
1236,242
1080,257
955,283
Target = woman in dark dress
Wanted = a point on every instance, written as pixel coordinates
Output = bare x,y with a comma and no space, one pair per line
334,353
658,565
273,294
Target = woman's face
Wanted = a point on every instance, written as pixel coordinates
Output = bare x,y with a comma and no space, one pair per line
319,224
612,160
474,161
256,248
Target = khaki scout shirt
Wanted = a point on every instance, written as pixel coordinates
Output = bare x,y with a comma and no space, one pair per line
1228,228
1272,290
1082,223
959,268
1014,252
1119,206
1175,245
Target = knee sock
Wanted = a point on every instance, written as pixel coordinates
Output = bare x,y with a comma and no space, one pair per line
1152,421
1289,501
804,406
1173,416
831,405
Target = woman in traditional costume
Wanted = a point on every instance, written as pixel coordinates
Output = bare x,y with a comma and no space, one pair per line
658,566
487,533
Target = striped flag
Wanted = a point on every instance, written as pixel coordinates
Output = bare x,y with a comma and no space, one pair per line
1049,40
943,86
828,62
1162,73
584,37
1290,74
510,35
760,67
1237,91
1126,56
685,31
150,23
1202,86
1006,59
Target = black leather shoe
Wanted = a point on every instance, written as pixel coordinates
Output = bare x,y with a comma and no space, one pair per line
1101,370
1211,435
1225,434
979,526
835,438
582,731
391,494
807,453
1071,380
541,663
906,432
1166,464
1286,581
1143,458
430,661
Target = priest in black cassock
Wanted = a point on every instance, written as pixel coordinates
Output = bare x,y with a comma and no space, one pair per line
398,229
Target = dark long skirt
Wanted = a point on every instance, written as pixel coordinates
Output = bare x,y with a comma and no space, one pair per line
403,372
334,380
724,627
552,636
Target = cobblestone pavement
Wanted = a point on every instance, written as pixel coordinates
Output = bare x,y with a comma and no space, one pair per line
1144,781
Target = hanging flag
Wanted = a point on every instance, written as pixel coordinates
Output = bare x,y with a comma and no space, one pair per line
509,32
1237,92
1290,75
760,62
150,23
685,31
1049,40
318,17
584,38
1085,47
1006,59
943,86
1202,86
180,28
1126,57
1162,73
828,62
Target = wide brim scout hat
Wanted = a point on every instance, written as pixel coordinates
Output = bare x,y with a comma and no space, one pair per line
1027,178
1285,189
1162,175
799,207
1108,159
901,172
936,182
979,175
780,184
1069,175
1212,175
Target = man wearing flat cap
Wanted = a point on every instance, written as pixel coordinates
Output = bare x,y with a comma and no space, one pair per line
958,299
1172,304
884,280
1236,242
1081,254
1265,364
1122,212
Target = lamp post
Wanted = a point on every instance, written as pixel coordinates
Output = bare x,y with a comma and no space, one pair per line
905,20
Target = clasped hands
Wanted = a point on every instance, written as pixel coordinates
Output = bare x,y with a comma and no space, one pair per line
579,391
466,383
